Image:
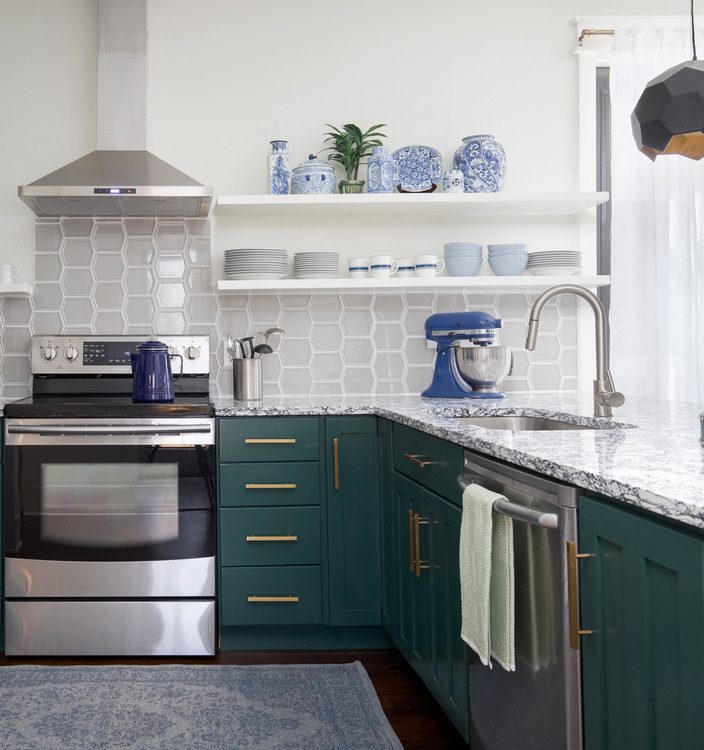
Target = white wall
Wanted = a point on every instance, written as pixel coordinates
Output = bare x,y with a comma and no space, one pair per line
48,54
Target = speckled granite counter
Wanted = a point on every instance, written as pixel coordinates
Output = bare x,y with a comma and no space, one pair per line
656,464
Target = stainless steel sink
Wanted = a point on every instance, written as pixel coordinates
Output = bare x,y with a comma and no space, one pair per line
519,424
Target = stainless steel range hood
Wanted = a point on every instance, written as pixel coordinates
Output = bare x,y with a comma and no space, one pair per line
117,183
120,178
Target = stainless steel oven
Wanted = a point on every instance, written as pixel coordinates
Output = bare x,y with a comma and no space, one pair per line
109,530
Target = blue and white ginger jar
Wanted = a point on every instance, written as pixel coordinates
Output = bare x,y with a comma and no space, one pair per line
279,168
314,176
380,171
483,163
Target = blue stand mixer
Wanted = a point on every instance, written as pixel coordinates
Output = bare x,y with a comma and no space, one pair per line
466,370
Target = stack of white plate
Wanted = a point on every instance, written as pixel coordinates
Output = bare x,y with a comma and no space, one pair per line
255,263
320,265
554,263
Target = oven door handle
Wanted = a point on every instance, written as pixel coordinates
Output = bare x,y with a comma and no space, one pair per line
107,429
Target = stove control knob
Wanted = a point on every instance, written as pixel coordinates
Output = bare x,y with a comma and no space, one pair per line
71,353
193,352
172,350
49,352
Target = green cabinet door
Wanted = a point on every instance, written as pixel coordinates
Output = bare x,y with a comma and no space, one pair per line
389,541
354,567
429,609
643,594
409,501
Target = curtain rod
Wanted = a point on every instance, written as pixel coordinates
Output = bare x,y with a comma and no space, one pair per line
593,32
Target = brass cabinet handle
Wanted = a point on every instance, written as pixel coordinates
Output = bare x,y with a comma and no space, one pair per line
418,521
270,441
573,594
256,486
336,463
271,538
417,459
411,555
270,599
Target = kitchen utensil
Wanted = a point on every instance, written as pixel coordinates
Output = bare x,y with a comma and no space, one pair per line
262,349
474,380
358,268
151,369
247,346
382,266
463,265
511,264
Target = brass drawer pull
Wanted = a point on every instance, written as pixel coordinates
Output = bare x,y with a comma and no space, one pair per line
573,594
256,486
271,538
411,554
418,521
417,458
271,599
336,463
269,441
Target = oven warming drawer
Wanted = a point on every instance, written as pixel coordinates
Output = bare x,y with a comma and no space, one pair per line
90,628
53,579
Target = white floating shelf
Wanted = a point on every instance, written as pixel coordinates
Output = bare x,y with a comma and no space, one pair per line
498,283
423,204
16,290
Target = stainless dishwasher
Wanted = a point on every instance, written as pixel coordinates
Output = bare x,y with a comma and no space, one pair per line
537,707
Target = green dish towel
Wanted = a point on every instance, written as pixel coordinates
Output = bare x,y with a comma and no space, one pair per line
486,578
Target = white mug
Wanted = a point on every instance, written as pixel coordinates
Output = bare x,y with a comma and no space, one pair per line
7,274
358,268
406,268
382,266
429,265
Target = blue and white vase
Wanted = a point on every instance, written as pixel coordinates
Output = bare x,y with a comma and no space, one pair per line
483,163
279,168
380,171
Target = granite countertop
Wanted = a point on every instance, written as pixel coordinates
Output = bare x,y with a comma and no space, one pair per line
650,457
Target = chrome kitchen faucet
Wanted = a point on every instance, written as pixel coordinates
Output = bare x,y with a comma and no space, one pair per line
605,394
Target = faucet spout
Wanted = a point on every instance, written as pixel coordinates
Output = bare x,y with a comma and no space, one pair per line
605,394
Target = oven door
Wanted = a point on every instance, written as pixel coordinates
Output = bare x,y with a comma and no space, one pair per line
133,498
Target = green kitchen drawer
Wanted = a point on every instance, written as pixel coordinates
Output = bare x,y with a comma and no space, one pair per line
281,483
271,596
432,462
270,536
269,439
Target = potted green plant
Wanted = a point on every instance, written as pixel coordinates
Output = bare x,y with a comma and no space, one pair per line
349,146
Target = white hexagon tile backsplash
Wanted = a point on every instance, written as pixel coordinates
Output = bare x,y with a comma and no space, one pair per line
143,276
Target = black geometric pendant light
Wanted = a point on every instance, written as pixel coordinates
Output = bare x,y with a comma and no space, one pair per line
669,116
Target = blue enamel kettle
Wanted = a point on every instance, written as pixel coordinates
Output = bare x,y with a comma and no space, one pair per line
151,369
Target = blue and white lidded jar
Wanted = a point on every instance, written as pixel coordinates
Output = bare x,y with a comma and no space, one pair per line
483,164
279,168
380,171
314,176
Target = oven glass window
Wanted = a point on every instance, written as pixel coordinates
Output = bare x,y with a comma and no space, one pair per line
109,504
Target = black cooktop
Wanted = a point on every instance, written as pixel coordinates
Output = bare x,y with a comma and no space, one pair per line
107,406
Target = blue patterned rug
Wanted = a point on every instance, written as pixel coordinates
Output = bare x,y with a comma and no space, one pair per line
313,707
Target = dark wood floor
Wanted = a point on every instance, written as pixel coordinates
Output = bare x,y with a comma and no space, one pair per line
412,711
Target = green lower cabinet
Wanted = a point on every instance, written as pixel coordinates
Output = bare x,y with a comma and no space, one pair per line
643,594
389,541
352,479
429,608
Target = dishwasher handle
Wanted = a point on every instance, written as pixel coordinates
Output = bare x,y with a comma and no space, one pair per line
515,511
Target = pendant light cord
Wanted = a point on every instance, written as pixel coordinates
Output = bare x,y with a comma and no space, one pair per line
694,41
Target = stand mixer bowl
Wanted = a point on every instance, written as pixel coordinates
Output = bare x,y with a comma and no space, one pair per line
482,367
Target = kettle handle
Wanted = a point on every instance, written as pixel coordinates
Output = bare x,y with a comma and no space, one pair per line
176,377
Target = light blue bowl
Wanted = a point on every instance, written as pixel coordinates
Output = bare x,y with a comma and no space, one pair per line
456,247
507,249
465,266
508,265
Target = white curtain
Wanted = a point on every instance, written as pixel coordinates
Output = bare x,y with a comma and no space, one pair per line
657,265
